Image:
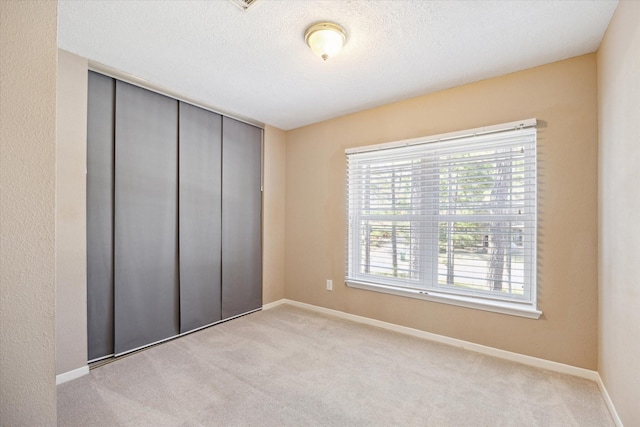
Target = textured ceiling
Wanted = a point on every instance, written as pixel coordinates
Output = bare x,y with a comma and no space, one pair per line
256,63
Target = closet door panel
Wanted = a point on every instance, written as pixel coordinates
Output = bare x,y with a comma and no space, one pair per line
241,218
100,216
200,216
146,220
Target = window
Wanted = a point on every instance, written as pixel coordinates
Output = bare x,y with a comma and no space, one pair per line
449,218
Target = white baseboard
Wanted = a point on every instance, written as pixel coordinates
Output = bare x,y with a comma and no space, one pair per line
72,375
274,304
478,348
608,401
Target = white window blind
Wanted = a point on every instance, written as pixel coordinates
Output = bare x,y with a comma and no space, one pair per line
451,218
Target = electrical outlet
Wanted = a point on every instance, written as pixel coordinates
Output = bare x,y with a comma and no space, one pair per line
329,285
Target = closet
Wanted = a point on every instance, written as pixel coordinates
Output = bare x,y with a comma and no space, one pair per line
173,217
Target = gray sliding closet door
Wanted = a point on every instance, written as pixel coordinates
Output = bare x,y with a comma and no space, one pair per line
241,218
200,216
100,215
146,220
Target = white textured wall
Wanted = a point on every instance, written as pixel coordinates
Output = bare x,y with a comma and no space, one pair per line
71,202
27,210
619,211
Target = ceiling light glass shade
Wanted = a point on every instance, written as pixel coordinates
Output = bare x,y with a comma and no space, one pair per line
325,39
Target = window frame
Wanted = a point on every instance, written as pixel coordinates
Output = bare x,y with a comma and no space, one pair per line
429,254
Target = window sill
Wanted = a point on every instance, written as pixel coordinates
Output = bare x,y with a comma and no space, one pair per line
503,307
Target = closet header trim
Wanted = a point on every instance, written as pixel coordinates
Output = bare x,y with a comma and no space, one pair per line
145,84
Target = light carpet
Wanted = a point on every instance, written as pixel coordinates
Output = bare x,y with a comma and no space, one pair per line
292,367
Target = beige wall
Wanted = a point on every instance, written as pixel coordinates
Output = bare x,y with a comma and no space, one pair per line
562,96
273,215
71,235
28,53
619,208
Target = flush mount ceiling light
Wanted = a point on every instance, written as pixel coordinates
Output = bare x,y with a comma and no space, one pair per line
325,39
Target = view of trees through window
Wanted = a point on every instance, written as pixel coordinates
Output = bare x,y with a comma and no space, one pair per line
455,219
